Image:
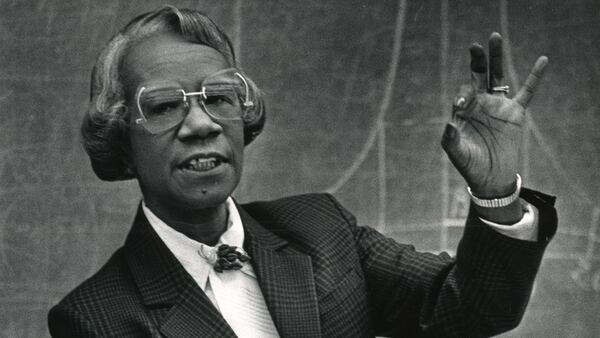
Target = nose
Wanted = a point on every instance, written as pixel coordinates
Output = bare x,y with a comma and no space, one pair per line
198,124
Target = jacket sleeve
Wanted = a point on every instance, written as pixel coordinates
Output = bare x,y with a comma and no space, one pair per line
482,292
67,322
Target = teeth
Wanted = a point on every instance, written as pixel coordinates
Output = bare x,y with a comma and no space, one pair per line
202,164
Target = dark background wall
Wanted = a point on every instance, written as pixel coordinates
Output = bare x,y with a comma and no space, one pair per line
358,93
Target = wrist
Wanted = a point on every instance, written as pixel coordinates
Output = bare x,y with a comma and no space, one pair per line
497,189
507,215
503,209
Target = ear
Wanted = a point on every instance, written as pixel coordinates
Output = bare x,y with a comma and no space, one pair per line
127,165
129,170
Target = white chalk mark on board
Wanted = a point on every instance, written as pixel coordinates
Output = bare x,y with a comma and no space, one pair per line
506,47
379,121
587,274
532,126
41,5
237,28
381,171
3,243
444,99
6,95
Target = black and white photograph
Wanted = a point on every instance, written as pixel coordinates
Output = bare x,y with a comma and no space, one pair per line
318,168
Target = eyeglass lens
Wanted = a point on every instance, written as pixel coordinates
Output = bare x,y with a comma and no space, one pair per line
165,107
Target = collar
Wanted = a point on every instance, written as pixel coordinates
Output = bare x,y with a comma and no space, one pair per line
191,253
163,282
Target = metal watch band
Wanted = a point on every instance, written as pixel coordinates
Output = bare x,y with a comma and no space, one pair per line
497,202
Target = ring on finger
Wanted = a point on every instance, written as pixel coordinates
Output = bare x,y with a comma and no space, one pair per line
501,89
460,101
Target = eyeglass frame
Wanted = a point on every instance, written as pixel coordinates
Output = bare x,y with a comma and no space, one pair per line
247,102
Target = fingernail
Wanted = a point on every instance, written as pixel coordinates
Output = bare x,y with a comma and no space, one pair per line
450,132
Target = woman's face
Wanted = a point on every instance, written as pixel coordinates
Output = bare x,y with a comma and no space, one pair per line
197,164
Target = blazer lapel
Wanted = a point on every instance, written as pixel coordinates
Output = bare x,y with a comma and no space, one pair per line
286,279
165,286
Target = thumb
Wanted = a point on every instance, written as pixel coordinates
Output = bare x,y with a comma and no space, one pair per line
451,142
450,139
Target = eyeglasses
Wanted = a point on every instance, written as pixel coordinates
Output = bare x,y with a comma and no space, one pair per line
164,106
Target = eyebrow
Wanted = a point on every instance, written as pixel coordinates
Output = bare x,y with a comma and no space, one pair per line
160,86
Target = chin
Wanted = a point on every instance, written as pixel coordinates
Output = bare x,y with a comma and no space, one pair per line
206,197
210,199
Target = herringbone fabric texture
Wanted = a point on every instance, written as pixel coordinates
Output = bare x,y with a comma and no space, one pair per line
321,275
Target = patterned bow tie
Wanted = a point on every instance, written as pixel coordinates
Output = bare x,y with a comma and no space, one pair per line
226,257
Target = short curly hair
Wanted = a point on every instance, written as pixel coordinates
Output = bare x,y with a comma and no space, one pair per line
105,125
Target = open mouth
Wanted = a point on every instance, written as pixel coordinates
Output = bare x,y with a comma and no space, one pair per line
202,163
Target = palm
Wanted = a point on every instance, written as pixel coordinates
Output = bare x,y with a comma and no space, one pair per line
483,140
491,130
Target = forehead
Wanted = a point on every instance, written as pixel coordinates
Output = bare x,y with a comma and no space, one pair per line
168,57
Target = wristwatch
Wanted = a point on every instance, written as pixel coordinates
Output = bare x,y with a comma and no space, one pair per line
496,202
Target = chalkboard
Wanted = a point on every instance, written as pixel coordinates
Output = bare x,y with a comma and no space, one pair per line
358,93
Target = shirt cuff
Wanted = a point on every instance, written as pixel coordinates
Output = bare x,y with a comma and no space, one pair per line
526,229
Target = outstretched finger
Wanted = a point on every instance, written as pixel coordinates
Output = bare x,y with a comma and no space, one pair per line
533,80
478,67
496,70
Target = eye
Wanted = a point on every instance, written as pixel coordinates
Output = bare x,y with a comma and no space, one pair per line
165,107
160,102
219,99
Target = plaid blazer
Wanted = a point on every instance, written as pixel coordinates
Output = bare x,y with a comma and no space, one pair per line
321,275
